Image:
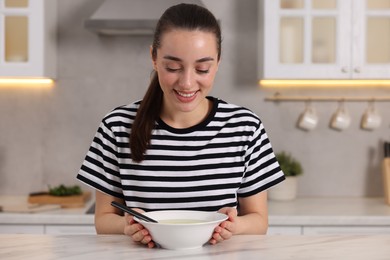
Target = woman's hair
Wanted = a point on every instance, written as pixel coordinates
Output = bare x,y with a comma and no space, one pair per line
182,16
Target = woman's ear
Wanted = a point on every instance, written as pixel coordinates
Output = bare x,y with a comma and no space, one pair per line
151,56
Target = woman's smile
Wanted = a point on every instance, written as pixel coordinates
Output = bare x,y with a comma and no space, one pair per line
186,96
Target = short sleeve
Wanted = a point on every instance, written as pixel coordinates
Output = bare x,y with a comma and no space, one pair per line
262,169
100,168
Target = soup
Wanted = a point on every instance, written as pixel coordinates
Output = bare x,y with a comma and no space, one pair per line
180,221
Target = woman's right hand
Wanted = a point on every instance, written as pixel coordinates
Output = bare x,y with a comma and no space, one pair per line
136,231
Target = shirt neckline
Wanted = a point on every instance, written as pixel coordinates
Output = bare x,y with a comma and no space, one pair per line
161,124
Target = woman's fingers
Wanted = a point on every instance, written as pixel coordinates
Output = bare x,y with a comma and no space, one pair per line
137,232
220,234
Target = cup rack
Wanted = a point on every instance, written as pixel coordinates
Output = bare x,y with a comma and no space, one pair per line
279,97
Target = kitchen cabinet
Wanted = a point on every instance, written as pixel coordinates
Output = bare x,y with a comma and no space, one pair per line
70,229
284,230
333,39
47,229
327,230
346,230
21,229
28,38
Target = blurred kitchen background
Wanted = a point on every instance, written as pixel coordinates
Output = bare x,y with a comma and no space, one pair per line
46,132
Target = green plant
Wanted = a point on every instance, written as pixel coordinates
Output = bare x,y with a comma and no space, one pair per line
290,166
63,190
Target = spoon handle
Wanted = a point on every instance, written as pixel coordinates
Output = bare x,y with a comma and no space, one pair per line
132,212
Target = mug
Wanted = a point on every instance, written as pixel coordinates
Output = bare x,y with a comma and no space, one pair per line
371,119
340,119
308,120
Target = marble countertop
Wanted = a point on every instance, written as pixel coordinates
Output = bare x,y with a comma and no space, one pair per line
302,211
247,247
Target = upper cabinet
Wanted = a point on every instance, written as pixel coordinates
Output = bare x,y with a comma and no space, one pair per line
325,39
28,38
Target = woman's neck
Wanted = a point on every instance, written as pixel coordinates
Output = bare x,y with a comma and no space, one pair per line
181,120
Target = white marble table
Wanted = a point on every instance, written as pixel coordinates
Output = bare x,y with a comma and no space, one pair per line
302,211
246,247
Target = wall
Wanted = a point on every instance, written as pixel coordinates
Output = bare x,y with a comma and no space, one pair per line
45,133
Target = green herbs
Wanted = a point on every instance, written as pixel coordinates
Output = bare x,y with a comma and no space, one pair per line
290,166
63,190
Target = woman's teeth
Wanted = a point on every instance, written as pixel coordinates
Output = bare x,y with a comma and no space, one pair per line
186,95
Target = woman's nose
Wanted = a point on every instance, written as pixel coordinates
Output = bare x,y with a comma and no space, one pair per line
186,79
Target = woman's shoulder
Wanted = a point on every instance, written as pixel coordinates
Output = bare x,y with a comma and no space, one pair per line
235,110
123,112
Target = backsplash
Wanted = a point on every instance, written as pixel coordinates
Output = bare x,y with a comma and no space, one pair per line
45,133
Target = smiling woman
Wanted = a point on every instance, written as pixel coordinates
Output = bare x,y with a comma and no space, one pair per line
179,148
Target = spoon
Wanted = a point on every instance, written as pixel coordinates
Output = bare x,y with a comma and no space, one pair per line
132,212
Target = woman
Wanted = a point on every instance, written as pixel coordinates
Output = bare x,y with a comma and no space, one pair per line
178,148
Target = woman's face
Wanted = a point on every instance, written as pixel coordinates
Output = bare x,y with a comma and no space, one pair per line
186,64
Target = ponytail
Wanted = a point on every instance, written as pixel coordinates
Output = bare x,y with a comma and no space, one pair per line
145,120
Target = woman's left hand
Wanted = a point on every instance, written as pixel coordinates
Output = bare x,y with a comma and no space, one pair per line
226,229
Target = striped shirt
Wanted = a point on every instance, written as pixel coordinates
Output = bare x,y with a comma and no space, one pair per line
204,167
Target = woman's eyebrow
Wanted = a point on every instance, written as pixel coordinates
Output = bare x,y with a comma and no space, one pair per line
169,57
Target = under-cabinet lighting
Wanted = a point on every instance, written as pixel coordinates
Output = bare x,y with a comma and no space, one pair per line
271,83
26,82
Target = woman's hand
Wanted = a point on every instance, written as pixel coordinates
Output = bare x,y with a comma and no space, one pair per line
136,231
226,229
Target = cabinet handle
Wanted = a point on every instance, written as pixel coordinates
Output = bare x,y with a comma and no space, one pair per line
344,69
357,70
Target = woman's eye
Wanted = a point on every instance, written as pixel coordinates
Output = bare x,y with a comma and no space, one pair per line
202,71
172,69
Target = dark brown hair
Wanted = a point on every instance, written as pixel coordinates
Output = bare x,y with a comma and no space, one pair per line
182,16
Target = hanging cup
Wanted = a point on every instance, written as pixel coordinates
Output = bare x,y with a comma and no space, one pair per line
308,120
371,119
341,118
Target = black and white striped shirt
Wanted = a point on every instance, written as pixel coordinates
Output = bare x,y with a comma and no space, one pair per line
204,167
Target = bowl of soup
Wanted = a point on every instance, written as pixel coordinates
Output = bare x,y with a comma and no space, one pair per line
182,229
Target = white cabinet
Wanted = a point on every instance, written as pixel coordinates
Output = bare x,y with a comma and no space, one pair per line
28,38
346,230
70,229
284,230
327,230
51,229
332,39
21,229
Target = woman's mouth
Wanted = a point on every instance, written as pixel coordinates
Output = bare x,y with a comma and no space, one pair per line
186,96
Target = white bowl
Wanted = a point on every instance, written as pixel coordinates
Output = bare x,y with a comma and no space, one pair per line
182,229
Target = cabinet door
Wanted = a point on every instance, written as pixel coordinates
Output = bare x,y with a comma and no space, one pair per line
70,229
27,38
307,39
345,230
371,39
18,21
284,230
21,229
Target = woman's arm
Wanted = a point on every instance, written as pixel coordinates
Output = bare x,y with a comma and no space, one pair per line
252,218
253,214
108,220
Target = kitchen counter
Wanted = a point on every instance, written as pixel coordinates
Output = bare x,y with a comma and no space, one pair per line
238,247
302,211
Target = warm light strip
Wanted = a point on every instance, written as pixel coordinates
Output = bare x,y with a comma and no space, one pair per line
26,82
271,83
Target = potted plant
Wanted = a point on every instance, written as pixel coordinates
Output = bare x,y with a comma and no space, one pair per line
292,168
